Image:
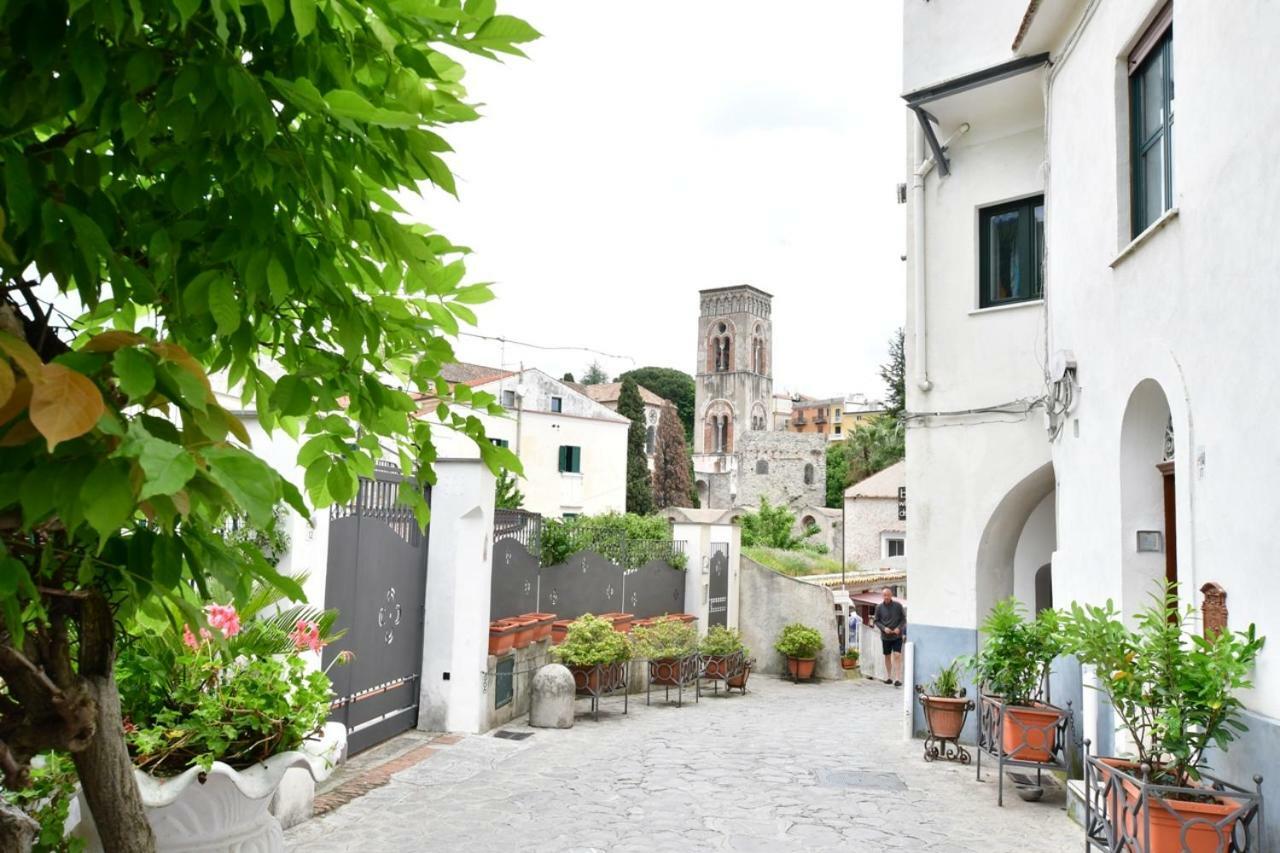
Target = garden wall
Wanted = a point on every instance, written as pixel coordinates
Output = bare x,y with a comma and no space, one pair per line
767,601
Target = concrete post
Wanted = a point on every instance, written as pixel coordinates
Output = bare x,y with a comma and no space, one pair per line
459,569
908,689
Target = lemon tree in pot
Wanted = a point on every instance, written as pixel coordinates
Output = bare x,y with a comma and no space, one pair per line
800,645
594,652
1174,695
669,646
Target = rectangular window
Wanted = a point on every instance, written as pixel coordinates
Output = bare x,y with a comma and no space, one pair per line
509,399
1011,252
569,516
1151,122
570,459
557,404
894,546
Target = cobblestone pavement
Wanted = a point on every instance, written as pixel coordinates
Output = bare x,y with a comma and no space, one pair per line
784,768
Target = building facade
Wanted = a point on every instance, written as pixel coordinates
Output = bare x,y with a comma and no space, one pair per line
573,449
875,531
1093,296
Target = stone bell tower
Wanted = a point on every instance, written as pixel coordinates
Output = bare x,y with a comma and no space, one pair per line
734,378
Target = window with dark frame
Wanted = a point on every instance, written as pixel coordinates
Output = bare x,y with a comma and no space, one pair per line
1011,252
1151,122
508,399
570,459
895,547
557,404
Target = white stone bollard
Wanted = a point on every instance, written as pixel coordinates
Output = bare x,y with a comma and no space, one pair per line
551,698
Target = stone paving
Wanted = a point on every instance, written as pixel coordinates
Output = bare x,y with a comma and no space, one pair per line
785,768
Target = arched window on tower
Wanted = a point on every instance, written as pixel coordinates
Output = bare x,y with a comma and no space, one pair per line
808,474
762,466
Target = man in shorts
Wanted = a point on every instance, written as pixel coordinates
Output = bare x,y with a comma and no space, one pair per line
891,619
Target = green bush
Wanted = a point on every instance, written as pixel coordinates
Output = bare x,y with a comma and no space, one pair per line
1017,652
664,639
795,563
591,640
946,684
627,539
770,526
799,641
721,641
47,801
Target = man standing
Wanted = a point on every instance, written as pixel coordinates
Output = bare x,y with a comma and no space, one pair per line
891,619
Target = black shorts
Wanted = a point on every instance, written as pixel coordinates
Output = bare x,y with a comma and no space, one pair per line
890,644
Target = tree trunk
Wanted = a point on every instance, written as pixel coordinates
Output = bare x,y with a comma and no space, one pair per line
17,831
106,775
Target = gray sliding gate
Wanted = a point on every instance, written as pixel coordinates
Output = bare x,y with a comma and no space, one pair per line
376,579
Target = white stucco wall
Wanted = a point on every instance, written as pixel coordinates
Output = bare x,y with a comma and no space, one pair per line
1194,308
943,40
866,519
1035,549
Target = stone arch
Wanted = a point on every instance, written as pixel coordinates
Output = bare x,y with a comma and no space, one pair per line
759,418
720,345
717,421
759,350
1013,537
1145,443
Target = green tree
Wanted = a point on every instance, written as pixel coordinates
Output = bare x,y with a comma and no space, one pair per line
770,527
671,481
568,377
639,489
894,374
507,494
674,385
870,447
595,374
837,473
215,183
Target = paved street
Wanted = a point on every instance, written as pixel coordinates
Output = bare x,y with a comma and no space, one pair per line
784,768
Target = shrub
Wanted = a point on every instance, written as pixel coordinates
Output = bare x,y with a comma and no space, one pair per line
1015,658
591,640
48,801
799,641
770,526
946,684
629,540
663,639
852,654
721,642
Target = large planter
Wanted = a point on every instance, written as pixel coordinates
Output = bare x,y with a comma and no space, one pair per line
1030,733
542,624
801,669
597,679
621,621
559,629
715,666
525,629
502,636
738,681
945,715
225,810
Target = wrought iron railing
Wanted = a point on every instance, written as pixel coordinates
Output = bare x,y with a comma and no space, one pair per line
524,527
1037,737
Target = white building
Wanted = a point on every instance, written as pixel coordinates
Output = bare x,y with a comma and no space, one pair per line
574,450
874,527
607,394
1074,265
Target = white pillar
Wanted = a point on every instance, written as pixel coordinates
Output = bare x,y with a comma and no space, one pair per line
908,688
456,617
735,572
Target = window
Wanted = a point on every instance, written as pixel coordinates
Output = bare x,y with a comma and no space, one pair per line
569,516
1151,122
650,437
570,459
1011,253
837,428
557,404
895,546
500,442
762,466
808,475
509,399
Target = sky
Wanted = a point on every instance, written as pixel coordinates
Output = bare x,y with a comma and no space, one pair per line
646,151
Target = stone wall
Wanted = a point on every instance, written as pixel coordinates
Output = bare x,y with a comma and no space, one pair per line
768,601
781,478
865,520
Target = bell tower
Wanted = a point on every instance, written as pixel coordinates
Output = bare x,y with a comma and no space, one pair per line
734,379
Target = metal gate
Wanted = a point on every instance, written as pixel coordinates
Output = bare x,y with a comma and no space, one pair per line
718,606
376,579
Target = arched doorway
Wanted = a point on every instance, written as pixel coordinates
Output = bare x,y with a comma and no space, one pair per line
1020,538
1148,517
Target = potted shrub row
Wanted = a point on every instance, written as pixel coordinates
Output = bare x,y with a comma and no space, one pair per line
725,656
518,632
595,653
800,645
668,645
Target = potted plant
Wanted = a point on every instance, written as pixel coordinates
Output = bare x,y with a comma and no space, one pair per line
1174,694
594,652
718,649
542,624
1012,669
738,680
525,629
621,621
666,644
849,660
800,645
502,636
215,716
944,703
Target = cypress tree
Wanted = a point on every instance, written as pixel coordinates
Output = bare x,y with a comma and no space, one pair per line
672,484
639,490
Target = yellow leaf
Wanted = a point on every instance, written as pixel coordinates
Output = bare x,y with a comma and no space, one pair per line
182,502
20,433
24,356
235,426
6,382
17,401
64,404
182,358
112,341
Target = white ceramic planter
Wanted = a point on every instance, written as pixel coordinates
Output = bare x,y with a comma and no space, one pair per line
229,811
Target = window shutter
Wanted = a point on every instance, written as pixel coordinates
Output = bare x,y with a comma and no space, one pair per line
563,459
577,460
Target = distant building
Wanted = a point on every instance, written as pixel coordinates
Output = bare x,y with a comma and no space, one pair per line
875,534
835,417
607,394
574,449
781,411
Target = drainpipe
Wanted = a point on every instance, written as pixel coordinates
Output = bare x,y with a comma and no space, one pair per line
925,166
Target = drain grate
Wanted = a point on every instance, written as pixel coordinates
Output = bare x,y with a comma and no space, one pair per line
506,735
876,779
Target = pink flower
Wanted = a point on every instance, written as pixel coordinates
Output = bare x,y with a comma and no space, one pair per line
224,618
189,639
306,635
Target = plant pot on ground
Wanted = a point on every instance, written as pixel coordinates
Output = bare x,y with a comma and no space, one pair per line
944,703
800,645
738,681
849,660
593,650
718,649
665,644
1174,694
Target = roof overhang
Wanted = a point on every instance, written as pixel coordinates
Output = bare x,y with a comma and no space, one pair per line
1045,24
1002,97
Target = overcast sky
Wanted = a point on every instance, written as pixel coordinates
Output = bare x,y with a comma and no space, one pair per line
648,150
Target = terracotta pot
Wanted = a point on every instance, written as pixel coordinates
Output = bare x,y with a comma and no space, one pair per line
542,630
501,637
1030,734
740,680
665,672
684,617
621,621
559,629
586,678
945,715
801,668
1168,816
848,663
525,629
715,666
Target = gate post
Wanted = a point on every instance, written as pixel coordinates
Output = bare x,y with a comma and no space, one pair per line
456,612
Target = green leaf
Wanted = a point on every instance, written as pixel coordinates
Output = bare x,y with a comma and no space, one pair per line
505,29
223,305
107,498
135,372
342,485
476,294
304,16
277,281
251,483
275,11
291,396
351,105
180,386
166,467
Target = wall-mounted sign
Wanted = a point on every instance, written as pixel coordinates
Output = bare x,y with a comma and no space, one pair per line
1150,541
902,503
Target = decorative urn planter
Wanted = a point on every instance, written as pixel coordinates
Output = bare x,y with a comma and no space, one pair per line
801,669
225,809
944,715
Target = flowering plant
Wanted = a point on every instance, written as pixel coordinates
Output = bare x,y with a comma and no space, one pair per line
238,690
